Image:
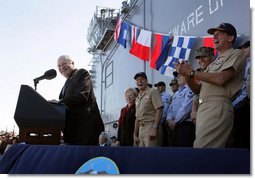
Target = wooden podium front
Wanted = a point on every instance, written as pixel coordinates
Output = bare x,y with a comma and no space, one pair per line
39,121
47,136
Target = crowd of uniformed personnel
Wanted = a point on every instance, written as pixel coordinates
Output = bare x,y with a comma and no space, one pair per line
209,107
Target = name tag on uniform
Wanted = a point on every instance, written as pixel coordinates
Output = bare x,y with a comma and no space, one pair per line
217,65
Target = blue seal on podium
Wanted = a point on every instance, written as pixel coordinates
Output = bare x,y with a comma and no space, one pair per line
99,165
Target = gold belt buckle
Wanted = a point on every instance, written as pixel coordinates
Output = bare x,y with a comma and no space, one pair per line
200,101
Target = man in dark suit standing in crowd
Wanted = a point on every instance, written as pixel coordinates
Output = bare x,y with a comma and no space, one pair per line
83,124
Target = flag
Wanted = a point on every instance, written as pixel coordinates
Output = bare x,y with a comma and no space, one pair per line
134,32
141,47
163,56
160,51
160,43
117,29
123,33
208,42
179,51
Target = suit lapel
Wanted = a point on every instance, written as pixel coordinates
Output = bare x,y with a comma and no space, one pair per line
63,91
66,85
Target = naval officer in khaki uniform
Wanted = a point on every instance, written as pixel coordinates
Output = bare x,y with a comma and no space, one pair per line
221,80
149,110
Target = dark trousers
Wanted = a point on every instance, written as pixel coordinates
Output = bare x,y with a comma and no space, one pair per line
165,137
170,137
184,134
241,129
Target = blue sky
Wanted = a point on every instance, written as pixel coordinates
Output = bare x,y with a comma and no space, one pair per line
33,34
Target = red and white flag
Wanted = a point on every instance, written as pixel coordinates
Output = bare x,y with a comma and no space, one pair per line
141,47
117,29
134,32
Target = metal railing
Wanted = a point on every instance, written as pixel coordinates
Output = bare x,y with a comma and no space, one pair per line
103,18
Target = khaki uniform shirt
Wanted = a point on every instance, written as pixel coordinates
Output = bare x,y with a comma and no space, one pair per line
231,58
147,104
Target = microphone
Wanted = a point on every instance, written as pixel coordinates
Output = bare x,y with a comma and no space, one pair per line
48,75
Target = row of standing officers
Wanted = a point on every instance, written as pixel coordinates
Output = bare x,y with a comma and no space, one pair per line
213,88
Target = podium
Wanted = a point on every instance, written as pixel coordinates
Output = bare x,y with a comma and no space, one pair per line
39,121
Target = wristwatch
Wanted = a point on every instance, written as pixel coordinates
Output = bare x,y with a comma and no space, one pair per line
155,126
192,73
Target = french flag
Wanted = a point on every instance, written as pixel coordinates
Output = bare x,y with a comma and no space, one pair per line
160,51
117,29
141,47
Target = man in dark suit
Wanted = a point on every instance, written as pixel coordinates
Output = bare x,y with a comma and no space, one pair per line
83,124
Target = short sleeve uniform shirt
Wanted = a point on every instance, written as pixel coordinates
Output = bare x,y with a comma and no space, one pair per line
231,58
147,104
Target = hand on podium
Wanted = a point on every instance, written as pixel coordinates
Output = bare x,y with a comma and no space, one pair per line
53,101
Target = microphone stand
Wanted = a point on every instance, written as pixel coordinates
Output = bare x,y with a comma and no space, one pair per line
36,80
35,83
50,74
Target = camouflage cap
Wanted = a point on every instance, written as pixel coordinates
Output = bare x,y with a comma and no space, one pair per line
204,52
